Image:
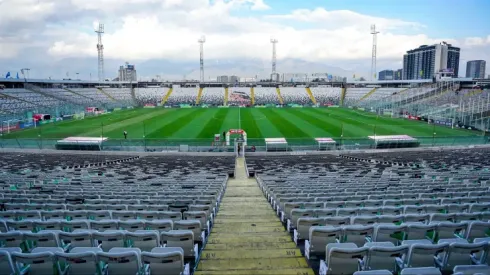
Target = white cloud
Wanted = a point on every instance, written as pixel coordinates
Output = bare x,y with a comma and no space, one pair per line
139,30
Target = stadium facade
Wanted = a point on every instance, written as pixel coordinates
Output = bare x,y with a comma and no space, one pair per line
428,61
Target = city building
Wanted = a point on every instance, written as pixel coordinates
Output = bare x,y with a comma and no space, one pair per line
227,79
476,68
385,75
426,62
398,74
127,73
233,79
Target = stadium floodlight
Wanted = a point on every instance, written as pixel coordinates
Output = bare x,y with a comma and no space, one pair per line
274,56
201,42
373,56
100,50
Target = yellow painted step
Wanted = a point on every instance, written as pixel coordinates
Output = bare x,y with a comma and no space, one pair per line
253,264
228,239
221,220
250,254
270,234
247,229
292,271
252,95
251,246
247,224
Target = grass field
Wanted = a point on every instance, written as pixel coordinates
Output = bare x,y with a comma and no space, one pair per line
203,123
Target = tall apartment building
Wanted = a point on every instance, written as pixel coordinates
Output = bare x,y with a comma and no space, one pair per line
476,68
127,73
426,62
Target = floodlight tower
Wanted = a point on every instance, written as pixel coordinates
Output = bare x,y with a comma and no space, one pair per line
274,57
100,51
201,41
373,56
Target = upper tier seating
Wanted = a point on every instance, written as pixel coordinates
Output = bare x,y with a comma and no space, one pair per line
213,96
183,96
150,95
265,96
295,96
326,95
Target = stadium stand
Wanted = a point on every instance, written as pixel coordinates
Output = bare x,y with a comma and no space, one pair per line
264,96
239,96
120,94
295,96
392,211
130,214
182,96
353,95
213,96
152,95
326,95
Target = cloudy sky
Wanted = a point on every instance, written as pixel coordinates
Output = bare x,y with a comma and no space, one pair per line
56,37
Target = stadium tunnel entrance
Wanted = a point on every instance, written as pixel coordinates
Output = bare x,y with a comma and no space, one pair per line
240,142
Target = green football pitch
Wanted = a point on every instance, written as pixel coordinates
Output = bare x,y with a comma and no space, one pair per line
258,123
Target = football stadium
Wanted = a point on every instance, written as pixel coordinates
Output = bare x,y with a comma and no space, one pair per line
305,174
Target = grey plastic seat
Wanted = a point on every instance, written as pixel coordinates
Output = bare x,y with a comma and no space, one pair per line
165,260
145,240
440,217
47,225
39,263
80,263
477,229
171,215
103,225
159,225
461,254
123,215
124,262
7,266
109,239
422,255
304,224
320,237
416,219
77,215
357,234
419,231
201,216
421,271
74,225
43,238
132,225
471,270
447,230
11,239
79,238
25,225
389,233
157,207
373,272
194,226
384,255
28,215
364,220
180,238
300,213
390,219
343,258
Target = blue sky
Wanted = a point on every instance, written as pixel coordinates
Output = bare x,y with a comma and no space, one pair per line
442,18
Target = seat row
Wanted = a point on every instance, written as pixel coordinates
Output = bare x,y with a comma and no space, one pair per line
348,258
197,226
92,260
319,236
143,239
201,213
114,207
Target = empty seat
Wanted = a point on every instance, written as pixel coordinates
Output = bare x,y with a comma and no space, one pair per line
194,226
201,216
7,266
320,237
471,269
419,231
421,271
164,260
109,239
144,240
71,226
461,254
445,230
477,229
343,258
384,255
38,263
79,238
79,263
172,215
159,225
43,239
11,239
389,233
132,225
123,215
121,261
422,255
357,234
364,220
180,238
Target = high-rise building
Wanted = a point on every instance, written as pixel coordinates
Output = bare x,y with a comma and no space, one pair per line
127,73
222,79
426,62
233,79
476,68
386,75
398,74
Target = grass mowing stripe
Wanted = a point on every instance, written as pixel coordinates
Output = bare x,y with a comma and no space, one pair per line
287,128
330,128
231,120
213,126
349,127
292,115
176,124
192,129
249,124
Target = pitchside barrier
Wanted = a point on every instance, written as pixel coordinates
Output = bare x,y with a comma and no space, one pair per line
206,145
